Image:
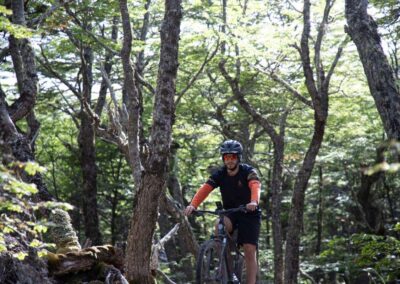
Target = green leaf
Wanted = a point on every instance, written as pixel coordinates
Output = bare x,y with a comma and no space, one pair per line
33,168
21,188
8,229
62,205
8,205
35,243
42,253
5,11
2,247
2,243
16,30
40,228
20,255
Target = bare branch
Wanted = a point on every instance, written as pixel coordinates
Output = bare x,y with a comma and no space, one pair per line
159,245
105,135
46,64
109,85
318,43
142,81
295,46
305,54
166,278
90,33
70,111
287,85
334,63
38,20
207,59
294,7
107,69
245,104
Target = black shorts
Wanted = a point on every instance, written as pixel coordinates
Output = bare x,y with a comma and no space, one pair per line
248,225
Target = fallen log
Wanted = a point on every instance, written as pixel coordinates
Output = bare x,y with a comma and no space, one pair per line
85,259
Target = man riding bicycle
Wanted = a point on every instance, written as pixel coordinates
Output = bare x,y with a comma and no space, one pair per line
239,185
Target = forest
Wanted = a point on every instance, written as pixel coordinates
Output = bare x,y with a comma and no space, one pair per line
112,114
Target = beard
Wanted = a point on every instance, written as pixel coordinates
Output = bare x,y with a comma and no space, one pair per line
232,166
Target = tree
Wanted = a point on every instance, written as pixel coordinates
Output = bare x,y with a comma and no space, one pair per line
319,92
154,176
381,81
20,145
82,88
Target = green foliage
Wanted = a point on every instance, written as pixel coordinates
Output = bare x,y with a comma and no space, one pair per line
19,226
362,252
260,35
17,31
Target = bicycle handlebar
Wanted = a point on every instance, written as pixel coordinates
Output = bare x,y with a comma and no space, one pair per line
219,212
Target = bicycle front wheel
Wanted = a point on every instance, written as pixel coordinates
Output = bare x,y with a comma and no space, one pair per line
211,268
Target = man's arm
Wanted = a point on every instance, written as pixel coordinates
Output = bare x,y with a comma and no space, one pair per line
255,189
198,198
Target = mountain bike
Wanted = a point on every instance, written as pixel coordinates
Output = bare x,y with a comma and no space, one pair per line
219,259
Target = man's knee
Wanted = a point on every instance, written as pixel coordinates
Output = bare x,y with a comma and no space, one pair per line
249,249
227,223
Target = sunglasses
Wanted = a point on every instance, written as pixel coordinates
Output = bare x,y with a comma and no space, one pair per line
230,157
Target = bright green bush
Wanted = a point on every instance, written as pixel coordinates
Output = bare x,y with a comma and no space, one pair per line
378,255
20,224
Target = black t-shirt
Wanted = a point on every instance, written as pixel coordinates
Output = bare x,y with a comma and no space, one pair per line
235,190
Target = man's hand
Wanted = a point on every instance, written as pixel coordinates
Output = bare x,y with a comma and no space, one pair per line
188,210
251,206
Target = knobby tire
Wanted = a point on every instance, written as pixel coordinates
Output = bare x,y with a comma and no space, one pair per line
208,264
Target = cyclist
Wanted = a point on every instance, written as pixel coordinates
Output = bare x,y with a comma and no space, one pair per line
239,185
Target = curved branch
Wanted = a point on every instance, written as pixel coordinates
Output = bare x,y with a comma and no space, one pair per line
245,104
207,59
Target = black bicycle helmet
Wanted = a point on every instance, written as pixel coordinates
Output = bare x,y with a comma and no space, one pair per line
231,147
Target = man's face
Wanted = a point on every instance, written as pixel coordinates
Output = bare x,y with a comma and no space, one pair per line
231,161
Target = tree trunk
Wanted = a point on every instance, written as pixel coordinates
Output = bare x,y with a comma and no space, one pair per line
320,211
318,87
16,144
181,245
156,167
107,68
89,179
276,183
297,210
370,213
276,188
86,141
364,33
130,98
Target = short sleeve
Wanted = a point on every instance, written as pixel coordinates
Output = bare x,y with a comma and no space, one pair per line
251,174
215,179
